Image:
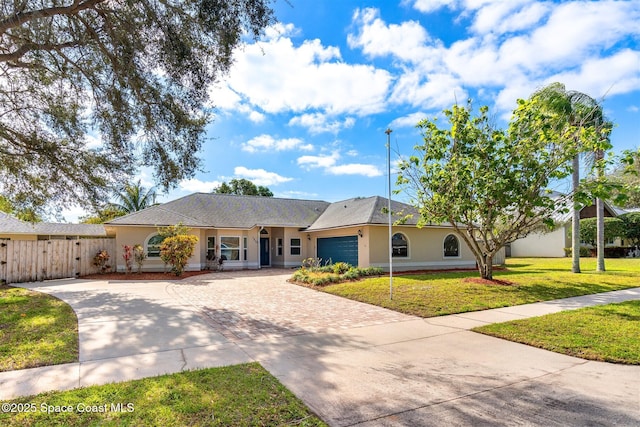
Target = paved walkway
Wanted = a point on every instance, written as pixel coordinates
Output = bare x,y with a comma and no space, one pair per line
352,363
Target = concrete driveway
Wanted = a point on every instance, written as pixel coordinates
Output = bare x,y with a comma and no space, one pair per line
351,363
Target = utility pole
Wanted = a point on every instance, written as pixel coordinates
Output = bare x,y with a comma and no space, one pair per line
388,132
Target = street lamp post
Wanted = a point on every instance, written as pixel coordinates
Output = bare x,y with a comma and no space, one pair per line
388,132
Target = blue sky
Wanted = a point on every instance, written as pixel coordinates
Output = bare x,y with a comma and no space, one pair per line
304,110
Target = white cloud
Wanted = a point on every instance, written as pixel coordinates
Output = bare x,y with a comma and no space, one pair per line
256,117
355,169
330,166
623,75
194,185
277,76
260,176
428,6
406,41
265,142
319,123
410,120
321,161
434,92
581,43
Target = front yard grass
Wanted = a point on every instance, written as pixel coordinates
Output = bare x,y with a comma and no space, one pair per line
529,280
36,329
240,395
608,333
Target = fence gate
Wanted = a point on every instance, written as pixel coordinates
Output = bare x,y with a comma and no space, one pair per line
36,260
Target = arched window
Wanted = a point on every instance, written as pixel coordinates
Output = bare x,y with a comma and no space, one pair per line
451,246
153,246
400,246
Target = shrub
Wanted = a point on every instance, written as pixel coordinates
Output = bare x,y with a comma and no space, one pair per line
341,267
128,257
615,252
335,273
176,251
100,260
139,256
585,251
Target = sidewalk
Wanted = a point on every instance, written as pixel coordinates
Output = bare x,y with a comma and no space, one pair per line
391,370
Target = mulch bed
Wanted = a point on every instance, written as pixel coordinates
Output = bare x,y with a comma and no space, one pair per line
144,276
482,281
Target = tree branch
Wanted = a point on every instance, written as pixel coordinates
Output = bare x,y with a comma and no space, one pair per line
22,17
28,47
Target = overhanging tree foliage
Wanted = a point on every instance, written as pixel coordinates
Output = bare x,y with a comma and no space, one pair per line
488,183
134,72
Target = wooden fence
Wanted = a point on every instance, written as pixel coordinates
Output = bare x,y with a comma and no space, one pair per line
36,260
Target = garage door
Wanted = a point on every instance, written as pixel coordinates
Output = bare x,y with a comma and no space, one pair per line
339,249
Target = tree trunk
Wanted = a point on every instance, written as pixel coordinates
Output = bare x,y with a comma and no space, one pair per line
575,222
600,243
486,267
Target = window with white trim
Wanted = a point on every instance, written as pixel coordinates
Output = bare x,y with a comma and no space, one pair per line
451,246
245,243
211,247
279,245
399,246
296,246
230,247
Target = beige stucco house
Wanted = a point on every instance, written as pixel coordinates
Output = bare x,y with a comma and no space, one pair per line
255,232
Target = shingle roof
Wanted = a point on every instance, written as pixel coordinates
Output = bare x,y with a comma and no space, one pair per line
361,211
59,229
228,211
11,225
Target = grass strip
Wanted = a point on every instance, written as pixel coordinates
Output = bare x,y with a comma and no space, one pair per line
241,395
607,333
525,280
36,329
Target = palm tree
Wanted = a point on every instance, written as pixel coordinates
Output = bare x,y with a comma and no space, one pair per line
134,197
580,120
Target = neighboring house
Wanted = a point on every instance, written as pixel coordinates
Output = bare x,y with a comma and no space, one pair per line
253,232
14,229
552,244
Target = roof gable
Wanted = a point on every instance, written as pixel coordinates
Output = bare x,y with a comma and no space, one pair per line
361,211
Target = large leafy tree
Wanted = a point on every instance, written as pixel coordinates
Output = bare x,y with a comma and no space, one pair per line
133,72
579,119
613,228
25,214
243,187
489,184
631,222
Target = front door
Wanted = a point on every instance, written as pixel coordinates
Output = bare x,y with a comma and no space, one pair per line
264,252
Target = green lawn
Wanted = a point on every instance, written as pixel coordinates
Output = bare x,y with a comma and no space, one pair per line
241,395
35,330
609,333
531,280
